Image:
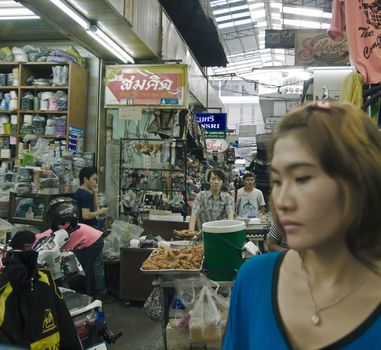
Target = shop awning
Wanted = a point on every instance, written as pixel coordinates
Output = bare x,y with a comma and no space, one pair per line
198,30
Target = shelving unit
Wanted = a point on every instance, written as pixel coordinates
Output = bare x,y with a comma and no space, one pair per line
151,166
76,91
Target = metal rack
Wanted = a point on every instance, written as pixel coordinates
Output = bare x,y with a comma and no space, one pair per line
152,166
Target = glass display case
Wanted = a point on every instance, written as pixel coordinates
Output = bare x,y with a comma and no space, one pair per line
30,208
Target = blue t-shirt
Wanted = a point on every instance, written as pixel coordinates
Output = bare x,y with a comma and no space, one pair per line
85,200
254,321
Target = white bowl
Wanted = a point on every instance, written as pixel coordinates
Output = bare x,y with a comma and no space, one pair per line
180,244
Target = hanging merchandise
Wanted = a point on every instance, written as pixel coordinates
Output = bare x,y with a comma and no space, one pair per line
351,90
163,123
153,307
151,169
361,21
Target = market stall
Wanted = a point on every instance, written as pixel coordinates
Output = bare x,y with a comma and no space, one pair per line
183,271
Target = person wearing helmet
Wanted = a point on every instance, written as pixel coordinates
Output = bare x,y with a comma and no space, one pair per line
84,241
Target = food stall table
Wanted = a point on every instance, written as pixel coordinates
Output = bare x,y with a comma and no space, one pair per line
166,284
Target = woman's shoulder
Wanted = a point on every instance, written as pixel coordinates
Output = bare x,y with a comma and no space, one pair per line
261,264
256,275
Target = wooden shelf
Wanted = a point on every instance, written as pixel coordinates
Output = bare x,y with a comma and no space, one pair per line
57,111
46,63
76,90
45,136
8,65
53,137
45,87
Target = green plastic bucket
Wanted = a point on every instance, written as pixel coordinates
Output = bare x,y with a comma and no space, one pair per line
223,242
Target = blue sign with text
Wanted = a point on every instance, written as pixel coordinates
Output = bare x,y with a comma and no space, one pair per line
214,124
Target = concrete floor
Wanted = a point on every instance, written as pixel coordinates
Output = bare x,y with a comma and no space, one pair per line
140,332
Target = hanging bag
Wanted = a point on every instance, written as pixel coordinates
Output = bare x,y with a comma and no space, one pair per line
205,321
153,307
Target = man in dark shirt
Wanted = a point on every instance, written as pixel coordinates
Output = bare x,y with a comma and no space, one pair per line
87,197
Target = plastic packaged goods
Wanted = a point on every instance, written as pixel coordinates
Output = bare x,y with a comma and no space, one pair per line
178,316
3,79
38,124
13,78
60,125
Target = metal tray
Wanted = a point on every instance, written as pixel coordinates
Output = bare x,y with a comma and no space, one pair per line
172,271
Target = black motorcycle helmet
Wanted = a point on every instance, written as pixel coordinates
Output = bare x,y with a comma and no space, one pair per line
62,210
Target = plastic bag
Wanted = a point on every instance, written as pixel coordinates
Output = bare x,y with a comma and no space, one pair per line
111,249
121,234
178,317
188,288
223,309
41,150
125,231
205,321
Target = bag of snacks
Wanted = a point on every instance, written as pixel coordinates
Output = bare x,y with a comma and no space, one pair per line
205,321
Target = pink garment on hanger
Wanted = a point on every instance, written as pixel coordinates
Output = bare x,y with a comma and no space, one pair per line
362,21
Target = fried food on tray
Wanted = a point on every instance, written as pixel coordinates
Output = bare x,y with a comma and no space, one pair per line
185,233
172,259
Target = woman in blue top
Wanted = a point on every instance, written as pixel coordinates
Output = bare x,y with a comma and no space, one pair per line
324,293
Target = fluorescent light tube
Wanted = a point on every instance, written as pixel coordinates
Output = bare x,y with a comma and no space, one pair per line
94,32
84,23
15,11
110,45
17,17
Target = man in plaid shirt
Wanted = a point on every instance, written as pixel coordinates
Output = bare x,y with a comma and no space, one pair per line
212,205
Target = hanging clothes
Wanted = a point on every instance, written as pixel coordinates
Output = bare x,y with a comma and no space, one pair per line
362,21
351,89
372,102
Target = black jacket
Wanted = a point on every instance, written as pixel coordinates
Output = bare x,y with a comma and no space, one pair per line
33,314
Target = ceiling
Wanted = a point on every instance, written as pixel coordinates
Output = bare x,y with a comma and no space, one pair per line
243,23
241,28
54,25
14,30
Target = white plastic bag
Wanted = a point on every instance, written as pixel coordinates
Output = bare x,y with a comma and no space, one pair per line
205,321
121,234
125,231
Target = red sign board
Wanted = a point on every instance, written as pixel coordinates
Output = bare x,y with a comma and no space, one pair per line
146,85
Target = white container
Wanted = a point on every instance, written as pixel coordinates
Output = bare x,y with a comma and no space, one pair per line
180,244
